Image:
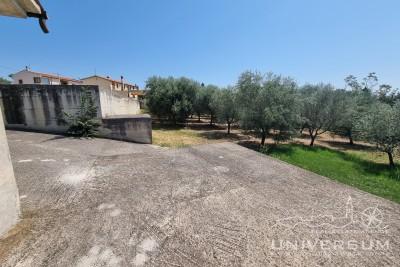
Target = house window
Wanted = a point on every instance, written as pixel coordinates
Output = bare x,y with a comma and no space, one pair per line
45,81
36,80
20,82
63,82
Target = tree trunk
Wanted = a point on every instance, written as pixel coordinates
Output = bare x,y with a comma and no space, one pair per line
263,137
391,161
312,140
312,136
351,142
211,120
229,127
198,117
350,134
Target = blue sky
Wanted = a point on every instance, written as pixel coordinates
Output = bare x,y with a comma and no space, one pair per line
212,41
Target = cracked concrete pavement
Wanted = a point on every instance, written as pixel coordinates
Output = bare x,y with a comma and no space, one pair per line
98,202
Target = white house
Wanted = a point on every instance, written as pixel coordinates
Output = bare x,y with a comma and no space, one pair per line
27,76
111,84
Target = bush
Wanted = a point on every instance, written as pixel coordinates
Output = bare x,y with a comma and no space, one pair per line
84,123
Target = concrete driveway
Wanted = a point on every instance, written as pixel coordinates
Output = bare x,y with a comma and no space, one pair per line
107,203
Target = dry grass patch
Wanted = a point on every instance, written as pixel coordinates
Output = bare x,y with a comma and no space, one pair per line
177,138
192,134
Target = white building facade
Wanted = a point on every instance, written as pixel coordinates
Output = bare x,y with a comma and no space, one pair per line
111,84
32,77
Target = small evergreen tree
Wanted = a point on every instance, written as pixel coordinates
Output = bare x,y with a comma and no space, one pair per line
84,122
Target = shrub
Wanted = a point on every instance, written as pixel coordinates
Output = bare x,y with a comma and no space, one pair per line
84,123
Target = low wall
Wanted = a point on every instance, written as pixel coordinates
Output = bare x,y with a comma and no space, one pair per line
117,103
9,198
42,107
133,128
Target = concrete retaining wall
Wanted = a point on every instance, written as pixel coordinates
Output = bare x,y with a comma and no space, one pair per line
9,198
134,128
41,107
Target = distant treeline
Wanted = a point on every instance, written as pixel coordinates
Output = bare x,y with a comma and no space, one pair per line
275,106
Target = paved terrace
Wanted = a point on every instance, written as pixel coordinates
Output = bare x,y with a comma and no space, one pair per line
107,203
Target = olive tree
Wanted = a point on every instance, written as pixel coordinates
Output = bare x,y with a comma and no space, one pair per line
267,102
387,94
226,110
200,103
367,84
170,97
321,109
358,100
353,105
203,102
381,126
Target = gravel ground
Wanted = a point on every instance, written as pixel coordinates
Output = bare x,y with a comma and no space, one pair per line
97,202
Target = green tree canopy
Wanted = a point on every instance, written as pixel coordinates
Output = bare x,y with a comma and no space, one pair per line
381,126
268,103
170,97
322,109
225,104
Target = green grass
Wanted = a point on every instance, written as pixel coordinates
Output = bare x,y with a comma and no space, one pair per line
348,168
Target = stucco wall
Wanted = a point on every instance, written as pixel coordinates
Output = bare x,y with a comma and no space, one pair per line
113,101
117,103
41,107
9,198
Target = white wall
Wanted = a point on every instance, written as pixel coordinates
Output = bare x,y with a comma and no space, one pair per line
117,103
113,102
9,198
